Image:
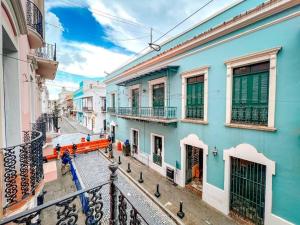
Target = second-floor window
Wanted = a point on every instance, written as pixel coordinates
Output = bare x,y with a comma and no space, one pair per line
195,97
135,98
250,94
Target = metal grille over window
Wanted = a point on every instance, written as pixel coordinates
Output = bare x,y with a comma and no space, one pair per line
195,97
250,94
247,190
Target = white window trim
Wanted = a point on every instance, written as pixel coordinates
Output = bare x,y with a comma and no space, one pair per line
270,55
193,140
137,86
154,165
131,139
199,71
151,83
249,153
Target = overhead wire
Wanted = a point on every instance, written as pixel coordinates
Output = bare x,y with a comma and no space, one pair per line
173,28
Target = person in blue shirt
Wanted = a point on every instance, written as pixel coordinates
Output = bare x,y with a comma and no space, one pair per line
88,138
65,162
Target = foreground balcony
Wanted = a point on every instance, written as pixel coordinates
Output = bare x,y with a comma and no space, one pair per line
35,25
46,59
153,114
23,170
103,203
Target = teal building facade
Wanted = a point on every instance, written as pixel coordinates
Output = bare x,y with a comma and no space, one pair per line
217,108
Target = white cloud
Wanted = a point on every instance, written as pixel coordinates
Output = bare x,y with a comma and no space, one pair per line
161,15
90,60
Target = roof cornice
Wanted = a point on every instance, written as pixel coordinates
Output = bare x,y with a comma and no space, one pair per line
20,15
260,12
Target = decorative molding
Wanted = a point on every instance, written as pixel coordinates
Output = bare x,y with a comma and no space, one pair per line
249,17
20,15
198,71
249,153
160,169
270,55
193,140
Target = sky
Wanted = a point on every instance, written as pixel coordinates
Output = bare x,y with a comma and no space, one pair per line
95,37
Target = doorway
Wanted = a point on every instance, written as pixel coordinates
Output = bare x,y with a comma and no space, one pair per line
113,133
194,167
135,141
247,190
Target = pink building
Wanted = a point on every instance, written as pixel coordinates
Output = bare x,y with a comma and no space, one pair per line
26,62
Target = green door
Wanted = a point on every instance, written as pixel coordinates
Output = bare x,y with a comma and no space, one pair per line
247,190
135,101
158,100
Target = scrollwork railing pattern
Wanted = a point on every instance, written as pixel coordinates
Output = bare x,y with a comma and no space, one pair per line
23,167
116,209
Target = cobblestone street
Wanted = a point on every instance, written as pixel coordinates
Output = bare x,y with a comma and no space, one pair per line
96,171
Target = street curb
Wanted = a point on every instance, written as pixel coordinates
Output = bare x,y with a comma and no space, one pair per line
149,195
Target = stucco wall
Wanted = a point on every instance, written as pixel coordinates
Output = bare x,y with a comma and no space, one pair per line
281,146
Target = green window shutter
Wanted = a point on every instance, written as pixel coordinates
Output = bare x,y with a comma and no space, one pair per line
195,97
250,94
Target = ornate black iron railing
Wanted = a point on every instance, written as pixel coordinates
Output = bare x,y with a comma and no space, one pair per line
111,110
149,112
118,210
47,52
250,114
23,167
34,18
194,112
41,126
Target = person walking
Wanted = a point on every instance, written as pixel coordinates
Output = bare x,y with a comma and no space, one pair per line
88,138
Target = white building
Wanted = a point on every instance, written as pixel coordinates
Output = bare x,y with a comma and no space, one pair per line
90,105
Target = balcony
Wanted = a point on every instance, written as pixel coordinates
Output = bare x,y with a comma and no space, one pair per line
46,59
156,114
87,109
23,170
103,203
35,24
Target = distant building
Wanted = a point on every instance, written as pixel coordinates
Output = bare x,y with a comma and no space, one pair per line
89,105
65,102
26,62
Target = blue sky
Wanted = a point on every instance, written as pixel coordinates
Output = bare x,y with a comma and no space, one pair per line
97,36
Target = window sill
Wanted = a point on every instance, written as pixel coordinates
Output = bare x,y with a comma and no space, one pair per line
197,121
251,127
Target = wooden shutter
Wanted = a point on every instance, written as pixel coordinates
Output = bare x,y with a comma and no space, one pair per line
250,94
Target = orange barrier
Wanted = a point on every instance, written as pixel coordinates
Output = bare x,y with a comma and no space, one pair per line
119,146
83,147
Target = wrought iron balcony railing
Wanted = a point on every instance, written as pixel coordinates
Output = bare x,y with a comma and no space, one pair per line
166,113
157,159
104,203
23,167
47,52
34,18
87,108
194,112
250,114
111,110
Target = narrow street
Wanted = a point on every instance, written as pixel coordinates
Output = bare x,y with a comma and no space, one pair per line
92,169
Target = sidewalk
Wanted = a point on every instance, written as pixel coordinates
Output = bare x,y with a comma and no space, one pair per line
196,211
